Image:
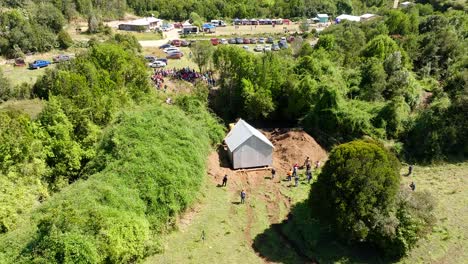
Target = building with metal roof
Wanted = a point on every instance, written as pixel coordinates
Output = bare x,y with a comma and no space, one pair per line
248,147
142,24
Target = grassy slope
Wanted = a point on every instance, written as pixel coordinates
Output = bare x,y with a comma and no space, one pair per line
449,241
31,107
224,224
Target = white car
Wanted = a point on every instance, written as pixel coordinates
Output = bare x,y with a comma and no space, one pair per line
245,47
157,64
224,41
267,48
258,48
172,49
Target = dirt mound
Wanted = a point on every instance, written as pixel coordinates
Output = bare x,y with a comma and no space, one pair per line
294,146
291,146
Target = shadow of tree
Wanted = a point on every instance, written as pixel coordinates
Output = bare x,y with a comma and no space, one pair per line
303,239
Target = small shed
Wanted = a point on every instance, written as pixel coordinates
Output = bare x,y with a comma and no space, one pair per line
248,147
323,18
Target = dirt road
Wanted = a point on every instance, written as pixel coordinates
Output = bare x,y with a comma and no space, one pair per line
169,35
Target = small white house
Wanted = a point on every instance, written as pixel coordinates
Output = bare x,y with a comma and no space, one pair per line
248,147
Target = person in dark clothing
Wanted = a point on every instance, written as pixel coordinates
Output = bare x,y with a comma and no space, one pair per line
412,186
294,170
410,170
309,176
296,180
203,237
242,194
273,173
307,162
224,180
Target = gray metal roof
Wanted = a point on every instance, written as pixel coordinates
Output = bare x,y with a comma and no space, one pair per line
242,132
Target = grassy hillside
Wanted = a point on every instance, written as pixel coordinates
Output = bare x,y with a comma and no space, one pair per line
149,168
224,223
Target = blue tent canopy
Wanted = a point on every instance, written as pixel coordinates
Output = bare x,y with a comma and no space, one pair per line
208,26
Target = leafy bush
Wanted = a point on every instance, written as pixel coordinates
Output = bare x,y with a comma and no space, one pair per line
358,194
64,40
359,179
149,168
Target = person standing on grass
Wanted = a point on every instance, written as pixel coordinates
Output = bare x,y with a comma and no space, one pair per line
225,178
307,162
412,186
242,195
289,175
294,170
296,180
309,176
317,164
273,173
410,170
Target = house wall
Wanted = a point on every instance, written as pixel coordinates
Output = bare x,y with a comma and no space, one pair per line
252,153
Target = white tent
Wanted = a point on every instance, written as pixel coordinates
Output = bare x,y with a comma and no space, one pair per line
248,147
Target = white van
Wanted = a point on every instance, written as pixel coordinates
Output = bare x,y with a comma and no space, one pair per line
218,23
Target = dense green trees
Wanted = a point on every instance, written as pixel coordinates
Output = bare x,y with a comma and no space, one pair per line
357,193
381,78
114,193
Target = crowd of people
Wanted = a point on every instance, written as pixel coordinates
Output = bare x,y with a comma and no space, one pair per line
185,74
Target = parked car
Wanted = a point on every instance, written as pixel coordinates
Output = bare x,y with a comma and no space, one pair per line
245,47
239,40
275,47
246,41
150,58
171,50
232,41
290,39
157,64
163,60
224,41
39,64
253,40
267,48
258,48
269,40
283,44
214,41
175,55
165,46
283,38
261,40
184,43
60,58
176,42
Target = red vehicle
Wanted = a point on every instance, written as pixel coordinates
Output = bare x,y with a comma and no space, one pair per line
246,41
214,41
176,42
175,55
290,39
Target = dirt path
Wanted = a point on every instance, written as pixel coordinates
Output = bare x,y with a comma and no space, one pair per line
169,35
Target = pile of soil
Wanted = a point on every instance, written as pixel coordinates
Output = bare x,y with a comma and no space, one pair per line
291,146
294,146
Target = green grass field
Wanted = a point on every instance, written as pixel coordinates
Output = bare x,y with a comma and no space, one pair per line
31,107
18,75
233,231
